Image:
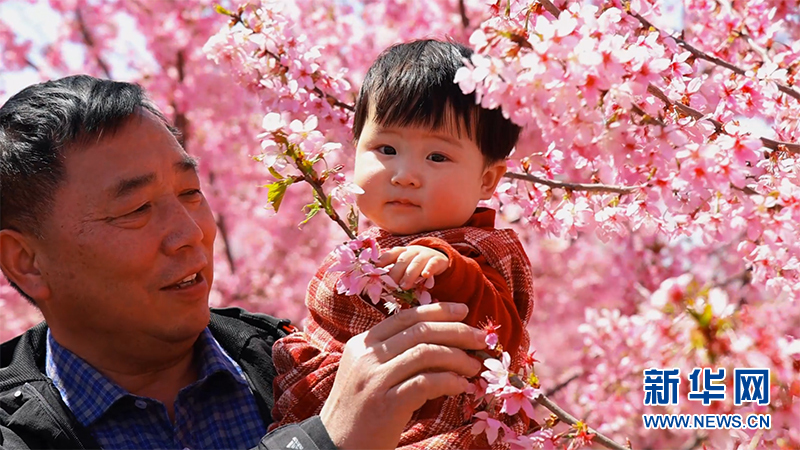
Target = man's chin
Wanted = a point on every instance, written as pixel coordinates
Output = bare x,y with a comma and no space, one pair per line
188,325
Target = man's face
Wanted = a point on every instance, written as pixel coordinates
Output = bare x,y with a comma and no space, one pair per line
418,180
128,225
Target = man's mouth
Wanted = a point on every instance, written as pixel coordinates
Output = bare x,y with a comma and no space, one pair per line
190,280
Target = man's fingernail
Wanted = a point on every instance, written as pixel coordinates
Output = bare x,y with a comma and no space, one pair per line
458,308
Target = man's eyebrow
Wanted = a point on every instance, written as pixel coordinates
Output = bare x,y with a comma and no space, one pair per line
187,164
127,186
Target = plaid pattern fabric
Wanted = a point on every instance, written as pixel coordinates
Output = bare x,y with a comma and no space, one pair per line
307,362
217,411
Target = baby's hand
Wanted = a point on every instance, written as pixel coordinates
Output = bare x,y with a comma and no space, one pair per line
413,262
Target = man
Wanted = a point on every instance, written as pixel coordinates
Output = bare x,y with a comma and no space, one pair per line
105,229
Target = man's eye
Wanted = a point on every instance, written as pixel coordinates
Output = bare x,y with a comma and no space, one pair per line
387,150
435,157
193,193
139,210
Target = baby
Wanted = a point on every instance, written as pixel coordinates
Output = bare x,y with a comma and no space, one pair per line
426,154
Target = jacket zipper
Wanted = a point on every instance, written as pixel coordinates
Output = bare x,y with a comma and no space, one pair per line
56,418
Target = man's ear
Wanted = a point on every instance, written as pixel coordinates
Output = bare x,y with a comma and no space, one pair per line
18,262
491,178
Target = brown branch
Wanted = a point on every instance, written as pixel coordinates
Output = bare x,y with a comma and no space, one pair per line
564,416
753,45
223,231
689,111
181,121
309,176
550,7
329,98
463,10
332,213
747,190
555,389
712,59
31,64
647,118
593,187
89,41
568,418
744,277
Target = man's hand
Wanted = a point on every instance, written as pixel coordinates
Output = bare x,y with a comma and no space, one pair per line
390,371
413,262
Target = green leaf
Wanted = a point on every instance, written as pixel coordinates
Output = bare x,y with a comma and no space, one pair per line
276,192
706,317
311,210
221,10
275,173
329,205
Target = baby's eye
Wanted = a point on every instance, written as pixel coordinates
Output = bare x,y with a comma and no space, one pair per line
387,150
436,157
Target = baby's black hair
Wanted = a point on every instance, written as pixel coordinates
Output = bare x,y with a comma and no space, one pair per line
411,84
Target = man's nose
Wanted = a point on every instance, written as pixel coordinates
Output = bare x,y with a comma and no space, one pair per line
182,229
406,176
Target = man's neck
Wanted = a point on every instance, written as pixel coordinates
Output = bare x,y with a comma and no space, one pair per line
154,370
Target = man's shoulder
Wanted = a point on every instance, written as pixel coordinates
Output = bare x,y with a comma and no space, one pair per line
247,322
22,358
234,328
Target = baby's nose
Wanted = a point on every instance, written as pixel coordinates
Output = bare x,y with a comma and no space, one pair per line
406,177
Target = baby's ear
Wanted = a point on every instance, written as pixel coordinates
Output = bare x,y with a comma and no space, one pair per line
491,178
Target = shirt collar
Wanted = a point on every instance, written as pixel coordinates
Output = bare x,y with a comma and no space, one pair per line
89,394
481,218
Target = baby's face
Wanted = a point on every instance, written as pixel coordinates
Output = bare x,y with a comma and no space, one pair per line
417,180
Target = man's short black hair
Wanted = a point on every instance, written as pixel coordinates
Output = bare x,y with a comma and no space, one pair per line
40,124
411,84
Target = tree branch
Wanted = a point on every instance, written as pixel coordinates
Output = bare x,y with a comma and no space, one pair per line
689,111
758,49
463,10
712,59
329,98
223,231
568,418
587,187
31,64
554,390
550,7
332,213
181,121
89,41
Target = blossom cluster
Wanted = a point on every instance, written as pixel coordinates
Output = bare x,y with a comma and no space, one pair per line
359,260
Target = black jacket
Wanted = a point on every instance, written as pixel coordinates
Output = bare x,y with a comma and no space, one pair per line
32,414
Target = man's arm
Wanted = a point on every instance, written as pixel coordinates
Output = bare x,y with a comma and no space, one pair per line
385,374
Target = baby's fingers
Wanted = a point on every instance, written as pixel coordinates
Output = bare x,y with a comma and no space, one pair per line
390,256
435,266
413,271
